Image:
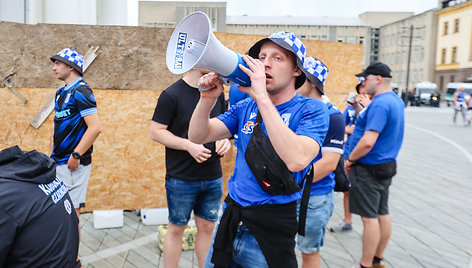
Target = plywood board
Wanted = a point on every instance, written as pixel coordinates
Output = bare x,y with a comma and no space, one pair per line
128,170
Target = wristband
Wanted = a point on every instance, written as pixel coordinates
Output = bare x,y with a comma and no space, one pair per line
352,161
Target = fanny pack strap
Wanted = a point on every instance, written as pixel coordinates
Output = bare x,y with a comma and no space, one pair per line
304,202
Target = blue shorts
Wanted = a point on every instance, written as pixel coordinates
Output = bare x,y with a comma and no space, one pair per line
320,209
246,251
203,197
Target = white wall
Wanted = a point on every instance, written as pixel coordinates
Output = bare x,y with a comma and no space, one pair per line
12,10
70,11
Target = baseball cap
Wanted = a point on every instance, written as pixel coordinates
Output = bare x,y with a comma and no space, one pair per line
316,72
361,79
287,41
70,57
377,68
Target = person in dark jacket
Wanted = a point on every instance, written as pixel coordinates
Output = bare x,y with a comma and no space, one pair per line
38,224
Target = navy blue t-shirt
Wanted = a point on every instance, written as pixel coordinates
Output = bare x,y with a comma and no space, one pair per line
334,142
304,116
236,95
350,118
386,115
73,103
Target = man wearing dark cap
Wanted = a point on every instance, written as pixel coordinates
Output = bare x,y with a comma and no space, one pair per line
76,126
374,146
259,222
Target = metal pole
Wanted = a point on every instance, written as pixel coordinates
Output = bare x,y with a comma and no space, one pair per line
409,57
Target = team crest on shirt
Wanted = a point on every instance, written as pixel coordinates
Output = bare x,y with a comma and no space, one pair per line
248,127
68,206
286,118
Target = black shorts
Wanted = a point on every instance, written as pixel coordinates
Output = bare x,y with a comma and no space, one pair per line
368,196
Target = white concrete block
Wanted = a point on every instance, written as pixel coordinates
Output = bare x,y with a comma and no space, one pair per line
154,216
108,218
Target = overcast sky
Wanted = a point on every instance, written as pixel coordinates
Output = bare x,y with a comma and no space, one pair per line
318,8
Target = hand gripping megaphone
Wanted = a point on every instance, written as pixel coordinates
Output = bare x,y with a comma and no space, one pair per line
194,46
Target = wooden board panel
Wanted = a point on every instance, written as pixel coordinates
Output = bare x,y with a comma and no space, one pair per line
128,168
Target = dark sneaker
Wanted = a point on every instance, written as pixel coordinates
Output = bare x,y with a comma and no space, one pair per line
341,227
380,264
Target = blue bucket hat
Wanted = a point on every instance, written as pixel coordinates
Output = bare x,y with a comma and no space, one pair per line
287,41
70,57
359,83
316,72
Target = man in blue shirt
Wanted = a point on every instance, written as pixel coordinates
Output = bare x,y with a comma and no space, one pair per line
321,202
76,126
374,146
296,127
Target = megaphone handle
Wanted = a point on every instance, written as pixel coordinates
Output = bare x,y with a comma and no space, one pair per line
225,81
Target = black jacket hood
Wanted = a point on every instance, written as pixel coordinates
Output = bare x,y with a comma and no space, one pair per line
32,166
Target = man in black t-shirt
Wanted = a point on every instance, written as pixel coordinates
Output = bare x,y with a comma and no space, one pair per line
193,171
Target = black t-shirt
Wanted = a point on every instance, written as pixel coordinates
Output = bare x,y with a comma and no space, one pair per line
174,109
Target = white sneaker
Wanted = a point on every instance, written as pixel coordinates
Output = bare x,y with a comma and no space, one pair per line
341,227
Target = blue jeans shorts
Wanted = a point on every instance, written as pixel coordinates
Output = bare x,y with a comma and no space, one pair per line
246,251
203,197
320,209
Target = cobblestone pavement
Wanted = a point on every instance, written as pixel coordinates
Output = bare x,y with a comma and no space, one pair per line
429,203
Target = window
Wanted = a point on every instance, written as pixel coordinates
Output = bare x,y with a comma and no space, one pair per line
445,28
456,25
361,40
324,38
452,78
351,39
340,39
443,56
454,55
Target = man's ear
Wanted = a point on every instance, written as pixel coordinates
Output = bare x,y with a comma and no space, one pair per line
298,72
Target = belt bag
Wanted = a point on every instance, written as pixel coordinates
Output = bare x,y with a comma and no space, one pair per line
343,184
270,171
385,170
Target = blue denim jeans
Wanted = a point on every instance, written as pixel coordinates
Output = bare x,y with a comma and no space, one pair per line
246,251
203,197
320,209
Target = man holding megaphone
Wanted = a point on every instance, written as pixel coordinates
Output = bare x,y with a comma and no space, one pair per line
280,134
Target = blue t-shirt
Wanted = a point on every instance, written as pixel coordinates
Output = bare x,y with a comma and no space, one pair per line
304,116
334,142
461,99
350,118
386,115
73,102
236,95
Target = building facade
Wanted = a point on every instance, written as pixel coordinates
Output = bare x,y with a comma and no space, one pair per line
412,61
376,20
170,13
349,30
92,12
454,44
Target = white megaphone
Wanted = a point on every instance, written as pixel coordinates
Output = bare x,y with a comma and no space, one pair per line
194,46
